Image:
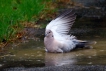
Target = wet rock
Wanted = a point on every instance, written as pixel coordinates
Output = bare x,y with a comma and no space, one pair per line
32,33
88,8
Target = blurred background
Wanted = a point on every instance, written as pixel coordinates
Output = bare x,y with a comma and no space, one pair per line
19,17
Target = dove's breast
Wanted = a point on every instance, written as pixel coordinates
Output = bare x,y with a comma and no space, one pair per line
52,45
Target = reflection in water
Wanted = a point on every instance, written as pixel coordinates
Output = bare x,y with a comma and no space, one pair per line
58,59
32,54
85,56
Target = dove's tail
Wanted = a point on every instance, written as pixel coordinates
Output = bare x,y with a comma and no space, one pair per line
84,44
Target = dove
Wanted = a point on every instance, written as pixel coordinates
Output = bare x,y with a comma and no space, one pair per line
57,38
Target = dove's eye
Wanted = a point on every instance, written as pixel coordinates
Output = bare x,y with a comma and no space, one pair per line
49,32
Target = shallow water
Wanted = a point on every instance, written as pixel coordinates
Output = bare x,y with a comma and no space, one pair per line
32,54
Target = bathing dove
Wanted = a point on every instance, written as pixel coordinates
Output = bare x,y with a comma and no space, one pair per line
56,34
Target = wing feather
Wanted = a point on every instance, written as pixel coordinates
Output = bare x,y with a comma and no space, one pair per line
62,24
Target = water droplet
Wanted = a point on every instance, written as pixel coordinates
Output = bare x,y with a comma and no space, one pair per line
30,60
90,63
38,60
25,60
89,57
12,55
4,61
1,65
101,50
13,59
39,55
94,55
38,51
32,55
25,54
38,47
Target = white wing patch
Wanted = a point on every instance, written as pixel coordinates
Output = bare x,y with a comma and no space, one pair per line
61,25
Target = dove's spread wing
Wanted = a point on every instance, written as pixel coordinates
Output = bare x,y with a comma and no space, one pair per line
62,24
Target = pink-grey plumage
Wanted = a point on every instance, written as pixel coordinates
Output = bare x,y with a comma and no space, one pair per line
56,34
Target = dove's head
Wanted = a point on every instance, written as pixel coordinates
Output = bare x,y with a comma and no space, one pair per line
48,33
